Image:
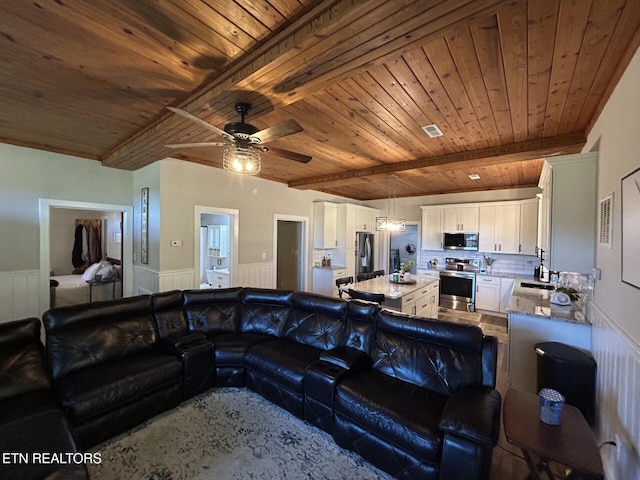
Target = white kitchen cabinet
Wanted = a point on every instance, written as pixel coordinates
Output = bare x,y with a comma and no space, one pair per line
427,300
460,218
499,227
325,221
218,279
506,289
568,212
432,223
365,219
324,280
217,240
528,226
488,293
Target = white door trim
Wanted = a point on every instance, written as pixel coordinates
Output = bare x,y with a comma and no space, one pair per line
233,264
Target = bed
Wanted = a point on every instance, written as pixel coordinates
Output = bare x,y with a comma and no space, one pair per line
74,289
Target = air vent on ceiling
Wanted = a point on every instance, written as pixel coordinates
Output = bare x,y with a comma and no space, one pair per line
606,221
432,130
474,176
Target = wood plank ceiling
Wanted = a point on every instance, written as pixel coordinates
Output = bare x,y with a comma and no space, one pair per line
507,82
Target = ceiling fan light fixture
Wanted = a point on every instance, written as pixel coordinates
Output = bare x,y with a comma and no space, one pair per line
241,161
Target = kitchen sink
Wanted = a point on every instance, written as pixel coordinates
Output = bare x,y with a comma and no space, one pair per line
537,285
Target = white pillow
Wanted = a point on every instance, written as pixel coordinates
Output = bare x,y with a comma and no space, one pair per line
90,273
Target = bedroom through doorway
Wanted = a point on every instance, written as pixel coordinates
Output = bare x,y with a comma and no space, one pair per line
63,260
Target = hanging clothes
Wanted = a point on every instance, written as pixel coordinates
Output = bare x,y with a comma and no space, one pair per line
76,254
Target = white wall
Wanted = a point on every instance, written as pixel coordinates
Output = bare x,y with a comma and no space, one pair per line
184,185
616,331
26,175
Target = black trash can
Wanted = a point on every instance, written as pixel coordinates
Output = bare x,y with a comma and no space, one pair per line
570,371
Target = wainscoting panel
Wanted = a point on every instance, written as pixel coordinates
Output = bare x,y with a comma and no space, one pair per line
618,391
19,295
258,275
176,280
145,280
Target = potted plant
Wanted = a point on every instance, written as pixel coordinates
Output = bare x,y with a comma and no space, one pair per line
406,266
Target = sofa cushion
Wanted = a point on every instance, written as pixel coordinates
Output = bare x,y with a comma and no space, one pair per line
22,369
231,347
398,412
168,313
265,311
361,324
440,356
316,321
81,336
96,390
213,311
283,361
27,404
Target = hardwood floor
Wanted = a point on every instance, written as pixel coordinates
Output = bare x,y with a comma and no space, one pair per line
507,463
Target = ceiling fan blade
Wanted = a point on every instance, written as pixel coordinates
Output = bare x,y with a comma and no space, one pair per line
277,131
201,144
199,121
297,157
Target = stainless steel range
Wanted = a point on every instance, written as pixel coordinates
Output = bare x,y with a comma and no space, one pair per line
458,284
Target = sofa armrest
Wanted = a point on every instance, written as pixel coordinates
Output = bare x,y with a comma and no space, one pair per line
349,358
474,414
177,342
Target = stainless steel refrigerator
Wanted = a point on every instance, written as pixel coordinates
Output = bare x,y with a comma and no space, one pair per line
364,253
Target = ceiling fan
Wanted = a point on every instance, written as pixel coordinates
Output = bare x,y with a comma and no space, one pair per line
245,136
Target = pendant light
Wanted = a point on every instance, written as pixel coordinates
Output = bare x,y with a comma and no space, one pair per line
391,223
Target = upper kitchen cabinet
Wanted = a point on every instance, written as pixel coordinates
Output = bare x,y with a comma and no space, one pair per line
432,223
528,226
461,218
365,219
325,221
499,227
568,212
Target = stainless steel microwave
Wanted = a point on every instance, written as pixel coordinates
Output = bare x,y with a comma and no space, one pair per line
460,241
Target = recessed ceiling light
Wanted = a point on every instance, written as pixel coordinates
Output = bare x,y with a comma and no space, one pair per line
474,176
432,130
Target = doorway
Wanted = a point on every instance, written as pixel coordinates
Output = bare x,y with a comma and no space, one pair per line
290,252
404,246
123,212
220,226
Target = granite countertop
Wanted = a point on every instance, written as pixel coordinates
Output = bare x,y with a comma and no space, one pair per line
536,302
331,267
390,289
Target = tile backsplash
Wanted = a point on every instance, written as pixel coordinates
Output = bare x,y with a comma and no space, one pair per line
511,264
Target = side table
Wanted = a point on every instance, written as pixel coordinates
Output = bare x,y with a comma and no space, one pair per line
93,283
571,443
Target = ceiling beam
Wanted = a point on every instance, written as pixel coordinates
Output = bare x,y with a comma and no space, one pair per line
527,150
287,67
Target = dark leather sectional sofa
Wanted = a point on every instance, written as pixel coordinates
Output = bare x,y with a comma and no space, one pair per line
413,396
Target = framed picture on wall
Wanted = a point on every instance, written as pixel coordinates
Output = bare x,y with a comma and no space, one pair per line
144,235
631,228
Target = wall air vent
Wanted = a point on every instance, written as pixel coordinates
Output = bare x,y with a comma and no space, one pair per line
432,130
606,221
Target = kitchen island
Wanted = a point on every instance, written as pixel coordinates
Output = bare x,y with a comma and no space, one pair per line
419,298
534,319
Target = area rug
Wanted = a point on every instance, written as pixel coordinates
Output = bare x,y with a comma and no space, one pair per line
227,433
